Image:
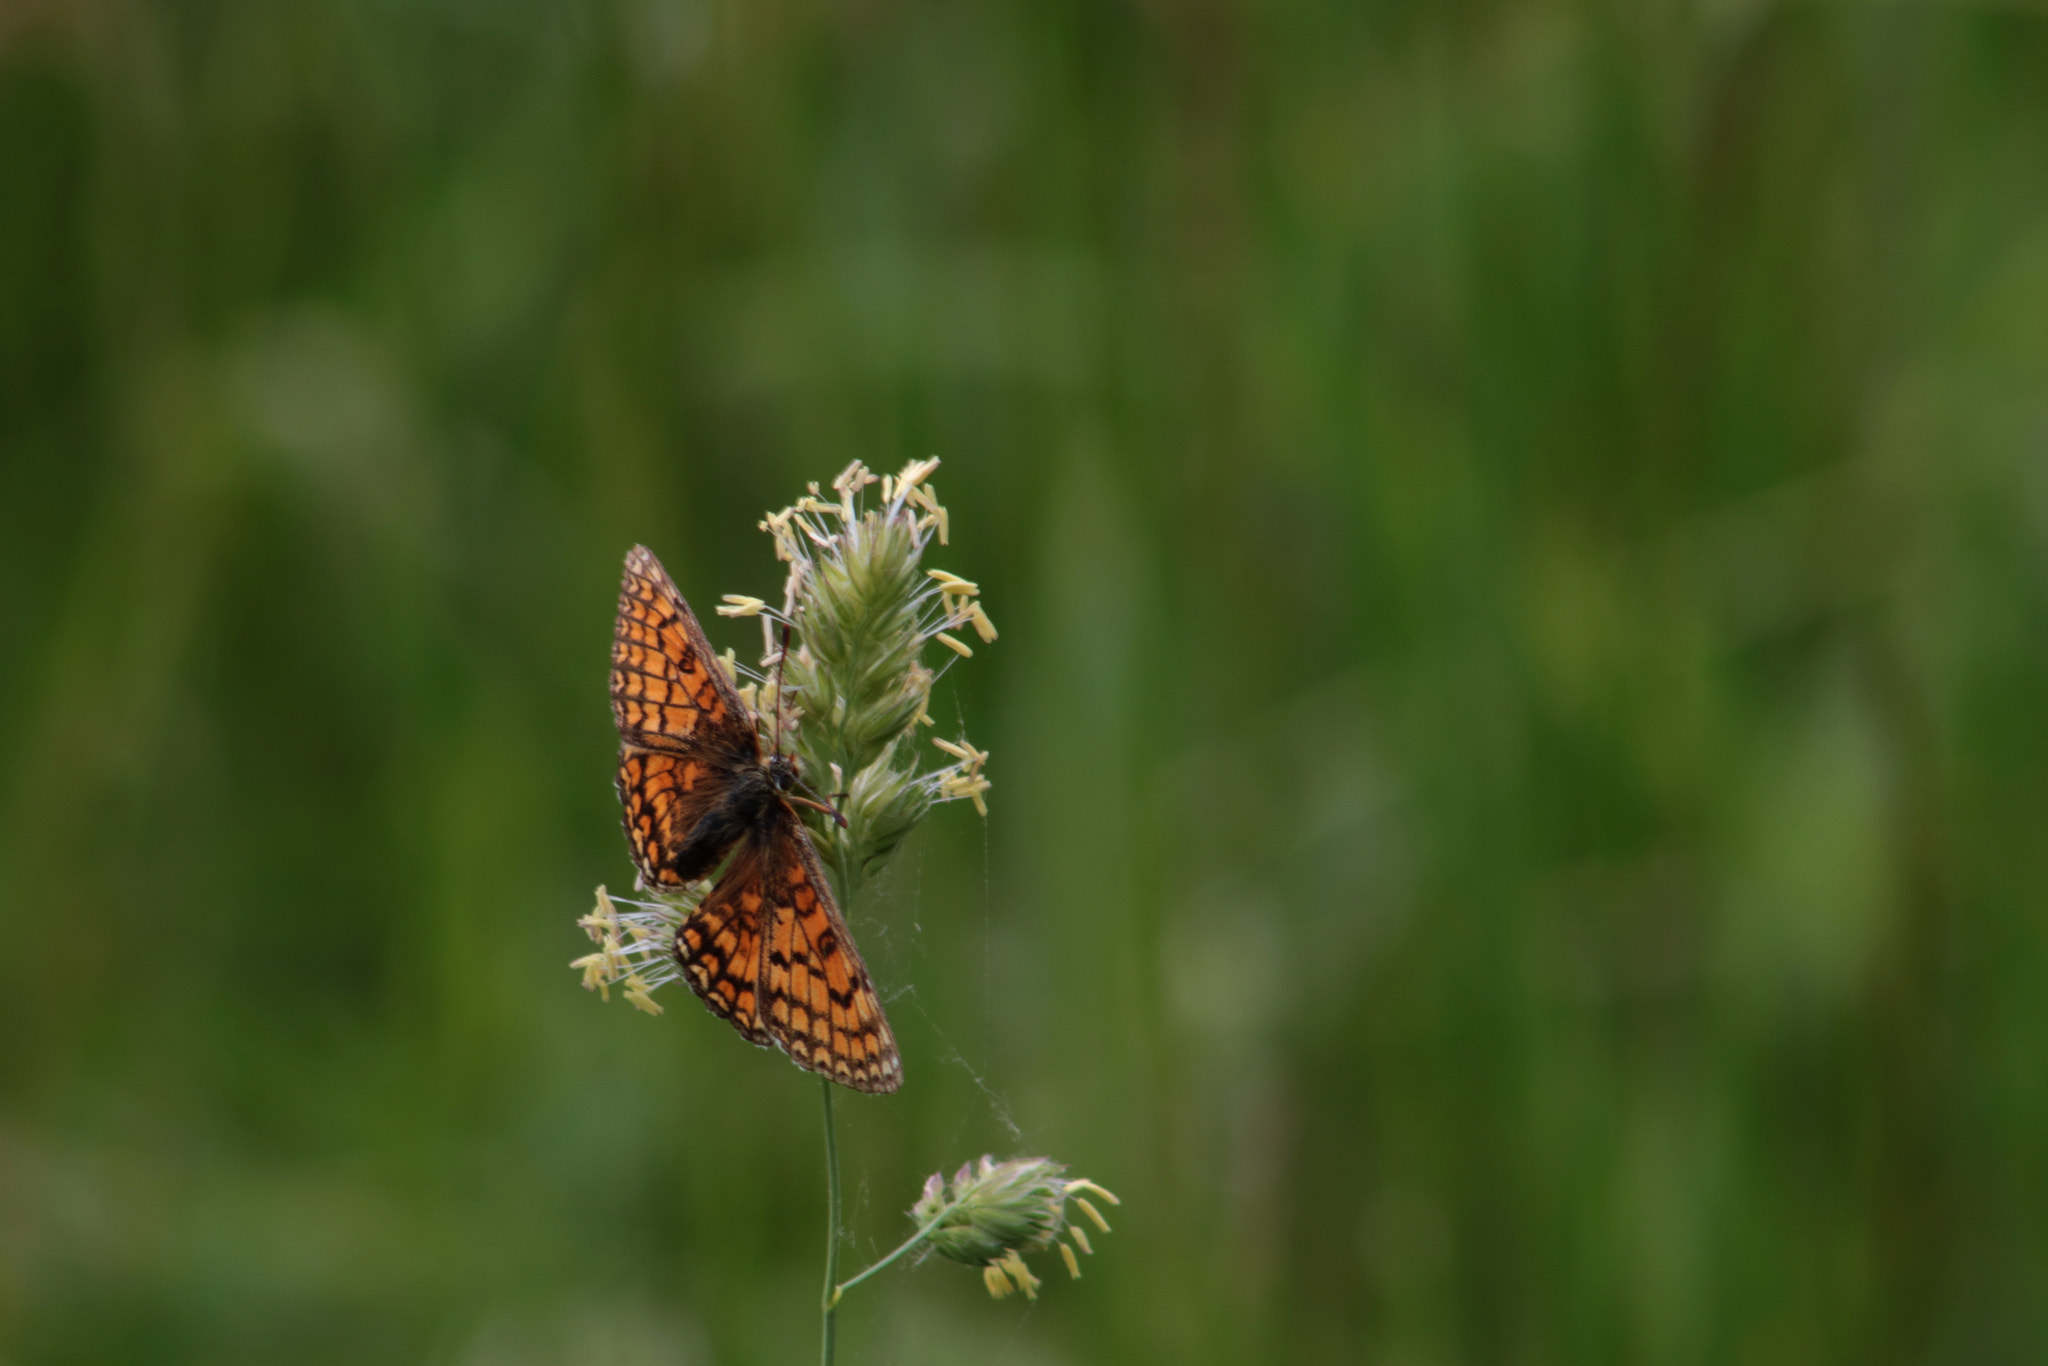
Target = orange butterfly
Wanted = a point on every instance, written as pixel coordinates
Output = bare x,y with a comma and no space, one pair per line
767,949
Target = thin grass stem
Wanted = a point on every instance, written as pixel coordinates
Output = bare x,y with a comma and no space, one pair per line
831,1301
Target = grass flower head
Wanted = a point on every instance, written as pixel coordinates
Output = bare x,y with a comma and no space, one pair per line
844,685
993,1213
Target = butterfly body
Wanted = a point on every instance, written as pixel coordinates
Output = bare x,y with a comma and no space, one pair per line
751,808
766,949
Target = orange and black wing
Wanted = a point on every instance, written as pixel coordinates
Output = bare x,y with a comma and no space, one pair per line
719,946
669,690
664,795
768,951
816,998
682,726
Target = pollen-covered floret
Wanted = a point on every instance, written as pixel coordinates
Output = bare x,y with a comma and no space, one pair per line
860,609
991,1213
636,946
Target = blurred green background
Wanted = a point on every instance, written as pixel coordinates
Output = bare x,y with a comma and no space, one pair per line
1521,538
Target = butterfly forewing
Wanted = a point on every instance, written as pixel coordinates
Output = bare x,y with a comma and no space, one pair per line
668,689
766,949
682,727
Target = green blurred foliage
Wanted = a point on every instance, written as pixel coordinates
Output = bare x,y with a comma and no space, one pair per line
1520,784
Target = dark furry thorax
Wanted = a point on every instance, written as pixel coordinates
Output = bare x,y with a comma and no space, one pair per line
751,808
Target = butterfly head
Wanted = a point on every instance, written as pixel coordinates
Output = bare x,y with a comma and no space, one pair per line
784,774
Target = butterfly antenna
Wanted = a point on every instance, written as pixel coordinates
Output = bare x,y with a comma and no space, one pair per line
781,658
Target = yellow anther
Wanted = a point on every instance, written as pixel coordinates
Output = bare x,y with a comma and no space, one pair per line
602,920
957,647
966,753
1021,1274
965,786
594,978
851,481
1073,1263
983,627
854,476
740,605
